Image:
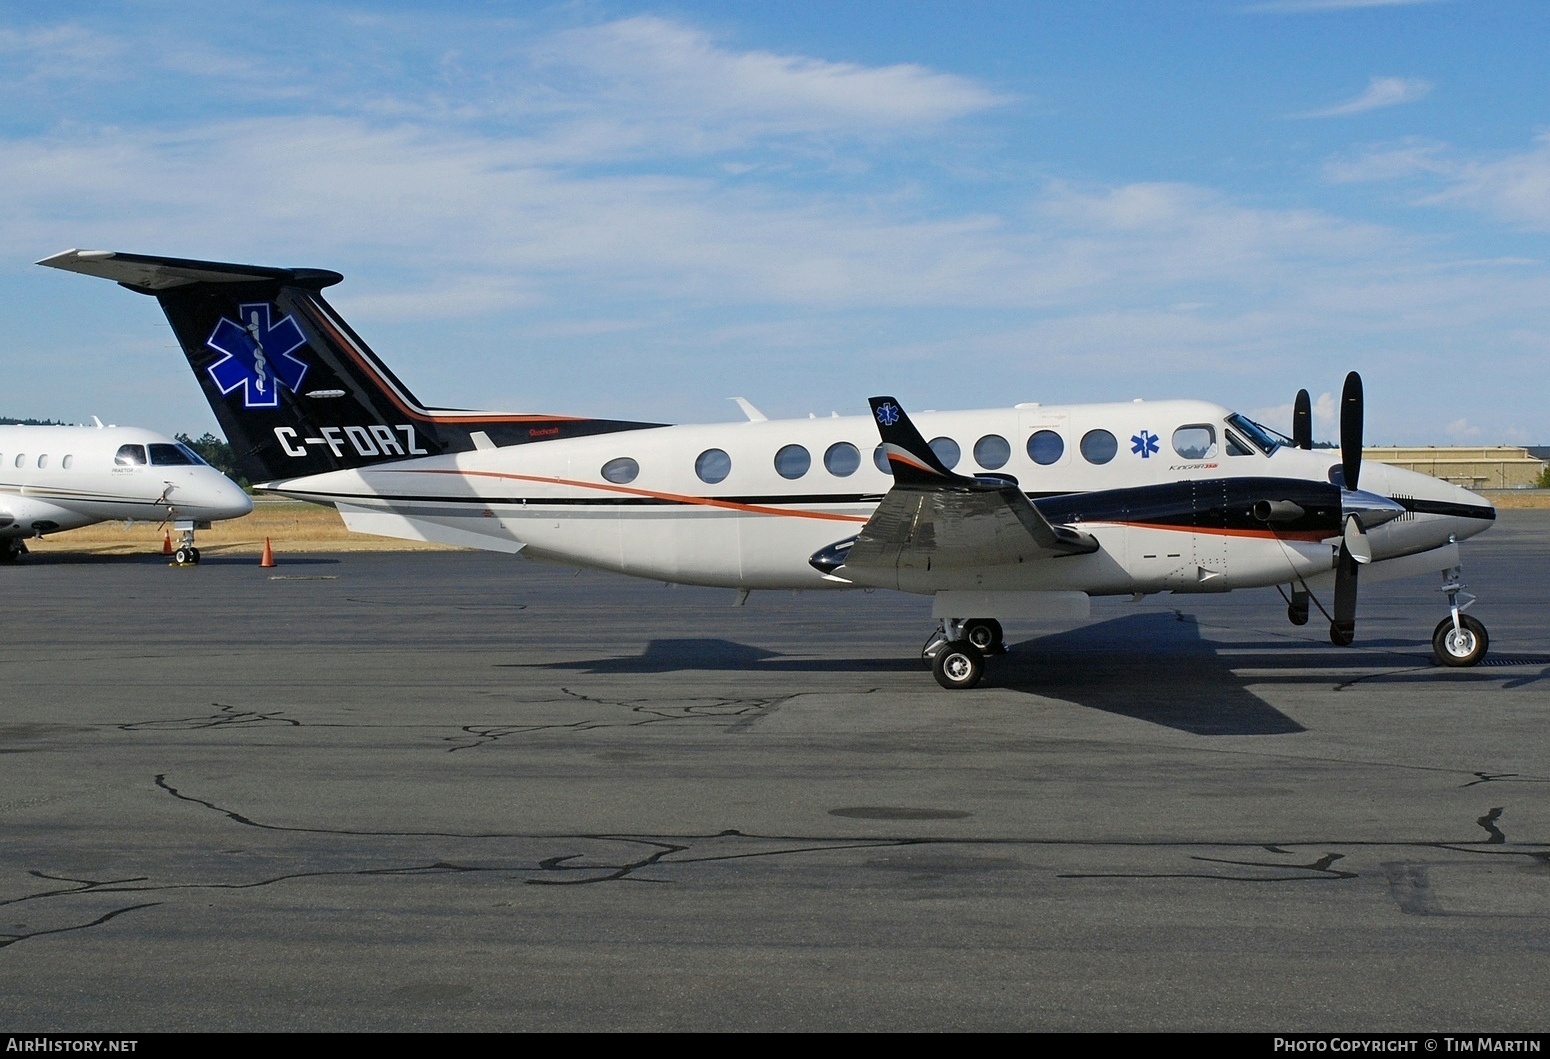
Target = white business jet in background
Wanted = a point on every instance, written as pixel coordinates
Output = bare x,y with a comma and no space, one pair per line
62,478
1058,503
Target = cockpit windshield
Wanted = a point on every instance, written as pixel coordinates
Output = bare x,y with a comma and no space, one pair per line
174,456
1265,439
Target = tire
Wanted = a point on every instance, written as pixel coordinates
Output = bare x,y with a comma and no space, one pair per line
1341,637
1462,647
985,634
193,555
958,666
1297,615
181,557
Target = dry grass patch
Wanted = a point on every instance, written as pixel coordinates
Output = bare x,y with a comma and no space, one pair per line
289,526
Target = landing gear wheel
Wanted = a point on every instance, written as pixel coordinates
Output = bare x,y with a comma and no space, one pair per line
1297,615
958,665
985,634
1464,646
12,550
1342,636
187,555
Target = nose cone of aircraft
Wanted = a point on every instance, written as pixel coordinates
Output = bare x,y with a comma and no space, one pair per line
217,497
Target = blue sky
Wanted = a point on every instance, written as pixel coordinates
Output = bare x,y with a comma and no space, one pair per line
641,210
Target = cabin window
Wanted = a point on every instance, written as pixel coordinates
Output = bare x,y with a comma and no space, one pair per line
713,465
1098,446
1046,447
21,460
1196,441
42,461
841,459
880,460
946,450
992,451
67,462
792,461
621,471
170,456
128,456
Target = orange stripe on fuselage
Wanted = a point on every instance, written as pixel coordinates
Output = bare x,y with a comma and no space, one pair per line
681,498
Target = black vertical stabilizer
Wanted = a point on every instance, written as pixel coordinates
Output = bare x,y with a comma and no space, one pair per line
294,389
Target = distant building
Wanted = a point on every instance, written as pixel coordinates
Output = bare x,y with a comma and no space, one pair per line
1485,467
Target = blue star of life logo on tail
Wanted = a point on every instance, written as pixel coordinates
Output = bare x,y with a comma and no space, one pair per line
258,358
888,414
1143,444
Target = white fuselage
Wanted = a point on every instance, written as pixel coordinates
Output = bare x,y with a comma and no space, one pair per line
61,478
757,527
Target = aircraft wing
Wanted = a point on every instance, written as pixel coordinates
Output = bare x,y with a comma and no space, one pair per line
935,520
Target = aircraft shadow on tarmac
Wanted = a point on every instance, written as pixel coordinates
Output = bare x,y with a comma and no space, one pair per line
1150,667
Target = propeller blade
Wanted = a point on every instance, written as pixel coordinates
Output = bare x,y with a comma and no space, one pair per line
1302,421
1342,630
1351,430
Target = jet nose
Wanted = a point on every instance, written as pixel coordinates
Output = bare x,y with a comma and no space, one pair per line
234,503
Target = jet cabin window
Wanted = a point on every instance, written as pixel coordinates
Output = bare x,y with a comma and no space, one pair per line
792,461
1197,441
842,459
992,451
1045,447
1099,446
129,456
712,466
621,471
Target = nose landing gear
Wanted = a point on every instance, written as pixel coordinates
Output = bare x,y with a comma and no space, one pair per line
1458,640
186,554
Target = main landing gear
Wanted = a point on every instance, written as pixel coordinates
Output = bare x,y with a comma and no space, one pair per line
1458,640
12,549
957,649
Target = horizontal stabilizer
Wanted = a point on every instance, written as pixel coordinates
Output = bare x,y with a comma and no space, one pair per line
147,274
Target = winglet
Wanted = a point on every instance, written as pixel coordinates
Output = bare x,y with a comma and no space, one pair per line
909,457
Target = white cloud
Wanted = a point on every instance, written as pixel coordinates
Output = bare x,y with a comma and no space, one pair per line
1380,92
662,66
1514,187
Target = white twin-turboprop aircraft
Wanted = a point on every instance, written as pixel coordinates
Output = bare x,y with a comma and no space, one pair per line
1058,503
55,478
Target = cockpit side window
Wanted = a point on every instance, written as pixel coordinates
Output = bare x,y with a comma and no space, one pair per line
130,456
1262,437
1236,446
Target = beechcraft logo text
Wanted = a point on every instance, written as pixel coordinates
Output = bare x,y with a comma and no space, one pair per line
258,358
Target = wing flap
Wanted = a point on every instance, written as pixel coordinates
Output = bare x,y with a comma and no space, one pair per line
933,520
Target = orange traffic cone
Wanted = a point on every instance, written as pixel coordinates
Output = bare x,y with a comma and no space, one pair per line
166,544
268,558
